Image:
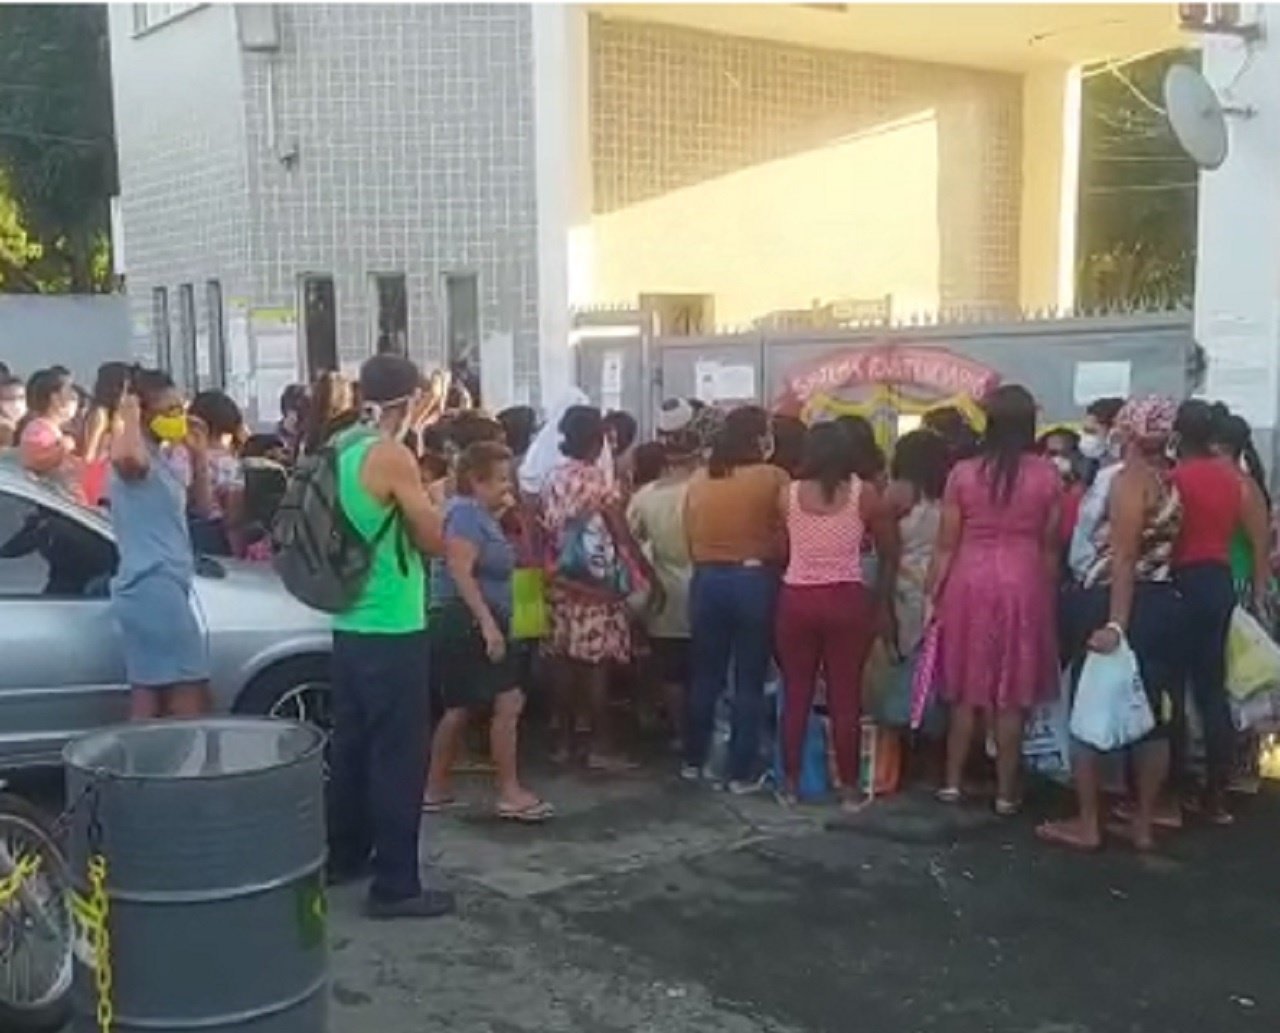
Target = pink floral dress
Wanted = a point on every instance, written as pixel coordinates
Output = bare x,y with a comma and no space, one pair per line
997,612
582,628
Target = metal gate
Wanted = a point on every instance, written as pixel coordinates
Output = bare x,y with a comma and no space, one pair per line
1066,362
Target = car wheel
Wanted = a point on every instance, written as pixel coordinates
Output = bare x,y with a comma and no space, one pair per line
37,930
296,690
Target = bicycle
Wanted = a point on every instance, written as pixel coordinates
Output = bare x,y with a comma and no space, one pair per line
37,926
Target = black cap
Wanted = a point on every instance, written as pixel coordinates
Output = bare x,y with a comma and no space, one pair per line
388,378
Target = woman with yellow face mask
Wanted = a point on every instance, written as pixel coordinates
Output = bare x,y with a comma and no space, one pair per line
158,458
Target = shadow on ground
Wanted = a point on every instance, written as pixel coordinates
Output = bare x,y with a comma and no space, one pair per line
857,929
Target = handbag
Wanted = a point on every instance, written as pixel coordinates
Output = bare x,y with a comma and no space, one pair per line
529,618
587,555
1111,709
891,706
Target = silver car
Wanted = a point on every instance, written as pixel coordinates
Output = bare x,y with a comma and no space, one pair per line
61,669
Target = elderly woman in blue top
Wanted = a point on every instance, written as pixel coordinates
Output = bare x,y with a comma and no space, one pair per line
470,623
158,460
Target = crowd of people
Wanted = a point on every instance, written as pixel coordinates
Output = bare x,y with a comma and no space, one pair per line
566,560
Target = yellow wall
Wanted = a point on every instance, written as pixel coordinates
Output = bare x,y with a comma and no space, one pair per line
856,218
1050,182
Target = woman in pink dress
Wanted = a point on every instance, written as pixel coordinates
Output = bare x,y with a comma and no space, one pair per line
994,579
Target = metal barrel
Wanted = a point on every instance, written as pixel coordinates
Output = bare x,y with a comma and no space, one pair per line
214,842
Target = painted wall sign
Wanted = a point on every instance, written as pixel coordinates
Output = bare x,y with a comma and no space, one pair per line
933,369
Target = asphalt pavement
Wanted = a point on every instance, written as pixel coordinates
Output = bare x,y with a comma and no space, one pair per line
648,905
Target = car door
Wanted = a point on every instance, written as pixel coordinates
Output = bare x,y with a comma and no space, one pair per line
61,667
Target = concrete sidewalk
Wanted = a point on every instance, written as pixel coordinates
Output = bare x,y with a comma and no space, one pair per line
648,905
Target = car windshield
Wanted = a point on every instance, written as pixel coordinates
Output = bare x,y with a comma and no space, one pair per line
98,521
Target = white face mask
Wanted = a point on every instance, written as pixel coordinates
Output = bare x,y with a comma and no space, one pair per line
13,409
1093,446
1063,464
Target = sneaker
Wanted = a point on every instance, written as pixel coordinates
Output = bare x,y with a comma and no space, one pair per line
690,773
741,787
428,904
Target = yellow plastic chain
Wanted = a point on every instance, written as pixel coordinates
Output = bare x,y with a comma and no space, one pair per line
25,867
91,913
101,941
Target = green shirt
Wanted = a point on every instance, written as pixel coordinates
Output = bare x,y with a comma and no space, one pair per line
393,601
1241,557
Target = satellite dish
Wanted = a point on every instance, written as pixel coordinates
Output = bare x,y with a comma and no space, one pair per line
1197,119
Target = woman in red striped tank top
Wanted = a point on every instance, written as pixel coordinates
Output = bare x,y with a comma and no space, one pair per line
826,615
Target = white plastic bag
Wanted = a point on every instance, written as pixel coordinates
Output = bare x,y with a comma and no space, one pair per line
1111,709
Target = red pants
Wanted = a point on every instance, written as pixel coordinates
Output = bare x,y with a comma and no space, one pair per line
827,627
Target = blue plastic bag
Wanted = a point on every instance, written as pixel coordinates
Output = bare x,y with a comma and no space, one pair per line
815,775
1111,709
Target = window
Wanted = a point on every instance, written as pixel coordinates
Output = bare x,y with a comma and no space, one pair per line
462,333
319,323
148,16
160,328
43,553
217,333
391,314
190,378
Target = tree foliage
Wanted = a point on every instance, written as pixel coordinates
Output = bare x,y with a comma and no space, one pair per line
1137,213
57,159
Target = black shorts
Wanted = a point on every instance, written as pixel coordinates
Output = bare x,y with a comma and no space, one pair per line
671,655
1157,634
463,673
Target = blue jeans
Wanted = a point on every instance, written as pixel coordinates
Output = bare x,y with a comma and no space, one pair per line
731,614
378,758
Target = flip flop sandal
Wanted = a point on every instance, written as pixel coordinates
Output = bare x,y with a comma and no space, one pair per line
612,765
1051,833
1123,831
474,766
1006,808
533,814
449,803
1125,812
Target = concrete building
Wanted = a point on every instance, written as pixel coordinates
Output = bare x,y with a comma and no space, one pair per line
304,184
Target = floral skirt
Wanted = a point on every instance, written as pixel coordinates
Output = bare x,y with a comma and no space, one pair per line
587,631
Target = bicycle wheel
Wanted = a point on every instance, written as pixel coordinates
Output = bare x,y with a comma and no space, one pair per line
37,929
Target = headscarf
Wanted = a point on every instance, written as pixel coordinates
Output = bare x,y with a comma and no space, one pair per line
706,424
544,455
675,416
1148,421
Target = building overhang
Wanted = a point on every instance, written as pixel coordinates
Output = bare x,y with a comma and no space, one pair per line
1002,37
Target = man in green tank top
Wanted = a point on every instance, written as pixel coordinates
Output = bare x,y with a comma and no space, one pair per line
381,706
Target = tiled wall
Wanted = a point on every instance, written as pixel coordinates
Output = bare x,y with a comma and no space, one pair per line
414,134
672,107
181,145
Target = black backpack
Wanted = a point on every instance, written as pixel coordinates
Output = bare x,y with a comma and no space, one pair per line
318,553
